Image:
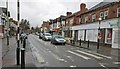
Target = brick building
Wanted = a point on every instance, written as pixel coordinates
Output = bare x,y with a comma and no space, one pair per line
4,21
45,26
88,26
72,20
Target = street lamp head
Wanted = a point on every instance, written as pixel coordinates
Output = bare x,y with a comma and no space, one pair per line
100,19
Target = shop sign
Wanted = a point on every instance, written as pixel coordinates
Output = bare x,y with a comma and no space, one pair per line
113,25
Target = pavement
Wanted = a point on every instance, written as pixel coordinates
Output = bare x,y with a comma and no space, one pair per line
114,53
5,47
0,53
9,59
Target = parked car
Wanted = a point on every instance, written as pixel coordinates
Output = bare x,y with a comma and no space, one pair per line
57,39
40,35
37,33
46,36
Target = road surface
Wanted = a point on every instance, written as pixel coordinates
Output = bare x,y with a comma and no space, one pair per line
50,55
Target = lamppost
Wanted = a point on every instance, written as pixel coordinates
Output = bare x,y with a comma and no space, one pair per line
98,42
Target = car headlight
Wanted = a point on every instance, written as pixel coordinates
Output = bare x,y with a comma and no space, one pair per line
64,40
46,37
57,39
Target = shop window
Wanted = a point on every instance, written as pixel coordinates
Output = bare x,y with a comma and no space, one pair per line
109,36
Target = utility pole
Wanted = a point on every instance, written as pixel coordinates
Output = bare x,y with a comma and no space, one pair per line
7,23
99,37
18,35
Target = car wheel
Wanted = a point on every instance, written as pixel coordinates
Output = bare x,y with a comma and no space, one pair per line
51,42
63,43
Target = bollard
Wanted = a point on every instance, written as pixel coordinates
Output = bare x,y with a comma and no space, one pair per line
98,44
22,58
24,43
21,40
80,42
88,44
18,55
7,39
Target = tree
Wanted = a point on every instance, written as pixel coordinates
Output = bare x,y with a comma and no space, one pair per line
25,25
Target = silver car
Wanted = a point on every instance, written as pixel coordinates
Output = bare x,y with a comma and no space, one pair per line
46,36
57,39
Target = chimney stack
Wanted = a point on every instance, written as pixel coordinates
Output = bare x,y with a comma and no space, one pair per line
82,7
69,13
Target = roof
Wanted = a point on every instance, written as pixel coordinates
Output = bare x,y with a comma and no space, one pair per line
73,14
101,4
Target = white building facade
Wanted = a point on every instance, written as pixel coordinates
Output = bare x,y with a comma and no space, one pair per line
109,30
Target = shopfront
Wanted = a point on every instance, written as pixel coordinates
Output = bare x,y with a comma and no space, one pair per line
108,32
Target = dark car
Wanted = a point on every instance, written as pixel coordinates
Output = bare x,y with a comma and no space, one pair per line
57,39
46,36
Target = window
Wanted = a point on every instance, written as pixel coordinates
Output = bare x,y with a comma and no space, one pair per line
71,22
118,12
86,19
80,20
93,17
101,15
105,14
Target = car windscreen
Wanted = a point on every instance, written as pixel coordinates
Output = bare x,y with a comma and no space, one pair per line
59,37
47,34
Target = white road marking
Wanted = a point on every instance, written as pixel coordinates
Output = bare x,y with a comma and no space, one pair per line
116,63
103,65
70,58
36,54
89,54
62,60
73,66
39,57
84,57
58,58
100,55
56,47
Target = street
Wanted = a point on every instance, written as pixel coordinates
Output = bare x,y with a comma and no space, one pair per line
50,55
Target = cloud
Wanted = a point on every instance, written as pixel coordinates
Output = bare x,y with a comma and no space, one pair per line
37,11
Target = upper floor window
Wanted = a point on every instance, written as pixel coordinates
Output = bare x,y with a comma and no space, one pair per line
105,14
63,23
93,17
118,12
86,19
80,20
71,21
102,15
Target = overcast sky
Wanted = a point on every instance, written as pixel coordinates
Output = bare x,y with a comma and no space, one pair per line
43,10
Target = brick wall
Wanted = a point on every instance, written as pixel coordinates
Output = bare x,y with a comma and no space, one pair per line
112,12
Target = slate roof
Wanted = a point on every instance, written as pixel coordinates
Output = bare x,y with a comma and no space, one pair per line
101,4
